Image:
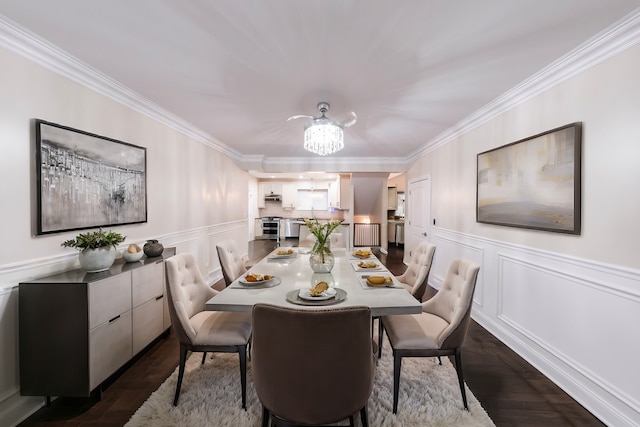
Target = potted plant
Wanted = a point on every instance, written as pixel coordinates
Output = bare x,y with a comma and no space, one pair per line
97,249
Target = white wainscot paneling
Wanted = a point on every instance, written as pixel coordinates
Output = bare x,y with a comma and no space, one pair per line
448,249
585,323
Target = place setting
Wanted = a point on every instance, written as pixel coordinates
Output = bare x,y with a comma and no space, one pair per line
283,253
362,254
378,281
320,294
367,265
256,281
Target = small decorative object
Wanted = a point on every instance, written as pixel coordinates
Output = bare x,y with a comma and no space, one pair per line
321,258
97,249
153,248
133,253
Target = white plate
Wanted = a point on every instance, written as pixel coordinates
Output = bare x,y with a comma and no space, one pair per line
275,254
306,294
245,282
356,267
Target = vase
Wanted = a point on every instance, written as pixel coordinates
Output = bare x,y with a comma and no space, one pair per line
153,248
95,260
321,259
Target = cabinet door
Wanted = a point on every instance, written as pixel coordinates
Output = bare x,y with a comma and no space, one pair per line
334,194
148,323
393,198
261,189
109,298
109,348
147,283
289,195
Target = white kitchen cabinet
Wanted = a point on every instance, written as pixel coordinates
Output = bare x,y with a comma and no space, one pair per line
290,195
339,193
334,194
78,328
393,198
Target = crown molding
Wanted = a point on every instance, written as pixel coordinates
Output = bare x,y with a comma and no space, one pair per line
613,40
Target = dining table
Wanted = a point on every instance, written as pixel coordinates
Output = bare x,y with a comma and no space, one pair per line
290,279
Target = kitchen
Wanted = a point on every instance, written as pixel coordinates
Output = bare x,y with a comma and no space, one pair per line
283,202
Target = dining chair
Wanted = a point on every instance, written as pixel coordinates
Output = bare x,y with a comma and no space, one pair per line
306,239
440,329
308,368
233,264
416,276
199,330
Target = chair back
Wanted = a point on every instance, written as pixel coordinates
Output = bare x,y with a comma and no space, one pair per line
312,367
230,260
453,302
417,272
187,293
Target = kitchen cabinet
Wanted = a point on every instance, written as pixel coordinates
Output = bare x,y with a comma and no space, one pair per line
339,193
258,227
290,195
393,198
77,328
395,232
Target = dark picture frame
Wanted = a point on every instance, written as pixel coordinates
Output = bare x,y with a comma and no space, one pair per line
533,183
84,180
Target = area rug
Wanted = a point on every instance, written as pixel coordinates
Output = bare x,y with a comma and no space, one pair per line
210,396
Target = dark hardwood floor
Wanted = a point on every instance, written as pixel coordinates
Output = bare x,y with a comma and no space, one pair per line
512,392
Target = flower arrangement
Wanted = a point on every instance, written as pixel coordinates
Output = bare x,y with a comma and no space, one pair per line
322,233
94,240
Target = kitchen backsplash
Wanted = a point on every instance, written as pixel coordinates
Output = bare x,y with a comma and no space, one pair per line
276,209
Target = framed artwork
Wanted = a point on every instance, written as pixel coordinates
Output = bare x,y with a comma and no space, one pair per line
85,180
533,183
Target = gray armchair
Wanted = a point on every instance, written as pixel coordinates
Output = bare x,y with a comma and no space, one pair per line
440,329
312,367
200,330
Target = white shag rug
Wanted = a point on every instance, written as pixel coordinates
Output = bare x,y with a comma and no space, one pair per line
210,396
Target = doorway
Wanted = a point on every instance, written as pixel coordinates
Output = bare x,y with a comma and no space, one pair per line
418,217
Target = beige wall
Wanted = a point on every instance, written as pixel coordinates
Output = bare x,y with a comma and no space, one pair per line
606,99
190,185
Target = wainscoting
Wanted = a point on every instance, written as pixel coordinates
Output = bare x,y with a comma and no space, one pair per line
201,242
572,319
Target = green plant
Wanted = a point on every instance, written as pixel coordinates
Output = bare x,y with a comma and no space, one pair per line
94,240
322,232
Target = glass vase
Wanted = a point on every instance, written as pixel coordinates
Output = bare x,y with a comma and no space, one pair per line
321,259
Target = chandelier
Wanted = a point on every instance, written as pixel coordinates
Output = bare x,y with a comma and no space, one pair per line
324,136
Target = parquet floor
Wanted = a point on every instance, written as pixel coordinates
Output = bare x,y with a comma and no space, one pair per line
512,392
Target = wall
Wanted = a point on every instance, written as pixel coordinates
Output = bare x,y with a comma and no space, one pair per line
568,304
196,195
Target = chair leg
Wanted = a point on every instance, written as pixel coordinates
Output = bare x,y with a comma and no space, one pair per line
243,375
183,360
397,364
351,422
380,337
439,361
204,357
265,417
363,416
460,377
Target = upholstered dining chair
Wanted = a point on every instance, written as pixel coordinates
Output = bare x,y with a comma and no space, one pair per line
308,367
199,330
232,262
416,276
440,329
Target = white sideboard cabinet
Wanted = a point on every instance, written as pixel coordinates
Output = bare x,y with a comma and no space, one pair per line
76,329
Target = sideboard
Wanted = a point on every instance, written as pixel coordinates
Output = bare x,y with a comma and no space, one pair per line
78,328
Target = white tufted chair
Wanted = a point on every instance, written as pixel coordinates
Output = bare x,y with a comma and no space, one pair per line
200,330
440,329
416,276
232,262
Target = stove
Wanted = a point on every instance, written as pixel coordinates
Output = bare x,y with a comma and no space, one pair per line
271,227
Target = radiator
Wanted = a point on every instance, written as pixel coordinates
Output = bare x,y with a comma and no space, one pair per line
366,234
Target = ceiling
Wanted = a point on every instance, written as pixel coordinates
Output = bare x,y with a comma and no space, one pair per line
236,70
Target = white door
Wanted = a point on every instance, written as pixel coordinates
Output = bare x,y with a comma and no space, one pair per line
418,214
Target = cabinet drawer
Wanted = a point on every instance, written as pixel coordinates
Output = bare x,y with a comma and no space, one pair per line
109,348
147,283
109,298
148,323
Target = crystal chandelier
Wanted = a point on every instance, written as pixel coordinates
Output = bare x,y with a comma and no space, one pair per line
324,135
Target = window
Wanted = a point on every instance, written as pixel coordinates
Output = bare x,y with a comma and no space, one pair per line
317,200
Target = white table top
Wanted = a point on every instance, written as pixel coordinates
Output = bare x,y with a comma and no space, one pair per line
295,273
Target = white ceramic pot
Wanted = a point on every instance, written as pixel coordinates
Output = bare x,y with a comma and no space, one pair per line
94,260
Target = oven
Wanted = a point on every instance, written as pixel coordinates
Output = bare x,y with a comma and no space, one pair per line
270,227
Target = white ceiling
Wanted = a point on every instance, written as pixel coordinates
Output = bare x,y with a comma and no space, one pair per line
236,70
